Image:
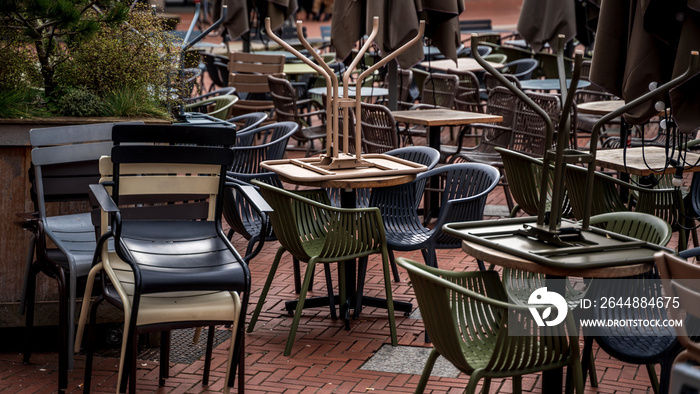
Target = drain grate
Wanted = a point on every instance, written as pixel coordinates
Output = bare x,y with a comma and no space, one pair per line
182,349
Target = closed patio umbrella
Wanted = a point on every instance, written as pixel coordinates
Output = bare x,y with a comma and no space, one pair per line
541,21
648,41
237,21
398,23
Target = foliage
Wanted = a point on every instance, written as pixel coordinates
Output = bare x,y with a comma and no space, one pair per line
79,102
92,51
127,101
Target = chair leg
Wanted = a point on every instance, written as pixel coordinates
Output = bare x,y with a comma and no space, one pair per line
389,297
236,346
517,384
473,381
651,370
666,370
427,369
300,305
588,365
165,358
329,288
89,350
266,289
486,388
361,277
63,342
297,277
207,356
394,267
30,297
134,367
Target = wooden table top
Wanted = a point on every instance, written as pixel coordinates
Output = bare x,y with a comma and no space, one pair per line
636,164
599,107
463,63
443,117
507,260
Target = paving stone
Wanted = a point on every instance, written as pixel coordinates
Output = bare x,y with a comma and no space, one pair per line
408,360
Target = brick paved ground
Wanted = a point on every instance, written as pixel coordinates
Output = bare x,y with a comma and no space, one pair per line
325,357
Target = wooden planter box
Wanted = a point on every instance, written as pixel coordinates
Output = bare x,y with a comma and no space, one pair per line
15,161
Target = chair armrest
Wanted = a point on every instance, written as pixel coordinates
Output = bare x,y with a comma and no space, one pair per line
426,106
688,253
27,220
252,196
103,198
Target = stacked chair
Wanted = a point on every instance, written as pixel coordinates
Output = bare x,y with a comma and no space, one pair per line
166,265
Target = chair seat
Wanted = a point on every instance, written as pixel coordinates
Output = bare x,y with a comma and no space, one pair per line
313,132
638,349
407,237
170,253
76,234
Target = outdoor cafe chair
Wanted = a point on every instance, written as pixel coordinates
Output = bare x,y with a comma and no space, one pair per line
465,188
64,164
289,108
218,107
379,132
680,279
313,231
527,135
664,203
521,68
439,91
247,122
169,268
238,211
217,69
630,344
525,179
468,317
248,74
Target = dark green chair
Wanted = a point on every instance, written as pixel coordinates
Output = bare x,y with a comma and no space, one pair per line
664,203
466,315
313,231
524,175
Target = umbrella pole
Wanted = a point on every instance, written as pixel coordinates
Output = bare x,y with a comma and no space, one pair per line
393,77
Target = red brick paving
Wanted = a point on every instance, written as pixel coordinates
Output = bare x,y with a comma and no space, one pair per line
325,357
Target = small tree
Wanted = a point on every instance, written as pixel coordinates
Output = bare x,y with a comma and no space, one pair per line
52,26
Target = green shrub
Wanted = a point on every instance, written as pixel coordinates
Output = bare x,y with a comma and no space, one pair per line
133,102
79,102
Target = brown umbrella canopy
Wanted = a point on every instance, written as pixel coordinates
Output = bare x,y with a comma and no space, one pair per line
398,23
541,21
238,13
644,41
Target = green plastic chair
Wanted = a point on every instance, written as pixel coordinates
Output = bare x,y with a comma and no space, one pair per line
222,105
663,203
524,174
313,231
500,58
466,315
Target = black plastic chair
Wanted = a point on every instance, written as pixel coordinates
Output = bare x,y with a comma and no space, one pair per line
247,122
238,210
170,269
521,68
64,164
217,68
465,185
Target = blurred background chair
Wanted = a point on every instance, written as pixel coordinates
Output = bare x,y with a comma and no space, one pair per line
288,108
216,67
379,132
247,122
248,74
468,318
439,91
218,107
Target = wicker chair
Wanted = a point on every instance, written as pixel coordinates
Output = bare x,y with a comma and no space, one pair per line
379,133
439,91
290,109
